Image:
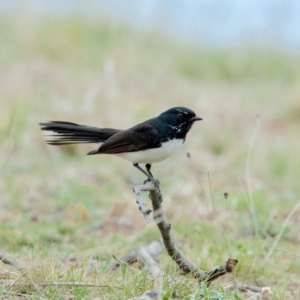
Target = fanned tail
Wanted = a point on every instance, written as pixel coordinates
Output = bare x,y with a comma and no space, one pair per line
71,133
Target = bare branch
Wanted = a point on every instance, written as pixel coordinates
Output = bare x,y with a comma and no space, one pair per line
152,250
248,287
6,260
142,205
186,266
263,293
148,261
155,295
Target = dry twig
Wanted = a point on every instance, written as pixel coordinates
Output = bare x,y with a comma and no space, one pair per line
142,205
6,260
148,261
263,293
186,266
154,295
146,255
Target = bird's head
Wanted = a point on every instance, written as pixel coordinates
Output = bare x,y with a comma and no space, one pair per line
180,118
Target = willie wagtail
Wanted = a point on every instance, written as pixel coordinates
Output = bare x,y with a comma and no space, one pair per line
146,143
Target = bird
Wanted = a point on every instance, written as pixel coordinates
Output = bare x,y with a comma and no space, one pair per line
149,142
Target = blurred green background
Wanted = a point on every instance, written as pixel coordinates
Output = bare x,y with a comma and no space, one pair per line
97,72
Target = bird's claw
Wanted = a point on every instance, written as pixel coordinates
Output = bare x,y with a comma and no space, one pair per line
150,180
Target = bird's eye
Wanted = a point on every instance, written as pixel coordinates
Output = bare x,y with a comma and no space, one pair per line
180,116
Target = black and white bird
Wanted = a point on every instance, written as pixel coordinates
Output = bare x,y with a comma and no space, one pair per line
149,142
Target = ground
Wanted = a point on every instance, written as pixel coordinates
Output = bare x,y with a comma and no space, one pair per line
107,74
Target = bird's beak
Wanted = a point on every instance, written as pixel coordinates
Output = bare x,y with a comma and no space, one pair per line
193,119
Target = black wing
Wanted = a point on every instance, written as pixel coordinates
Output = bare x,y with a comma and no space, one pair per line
140,137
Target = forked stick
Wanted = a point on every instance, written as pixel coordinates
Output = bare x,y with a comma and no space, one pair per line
185,265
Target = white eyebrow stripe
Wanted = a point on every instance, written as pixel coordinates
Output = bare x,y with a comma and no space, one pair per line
184,112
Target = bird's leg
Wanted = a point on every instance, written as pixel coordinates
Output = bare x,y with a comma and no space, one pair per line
150,177
148,168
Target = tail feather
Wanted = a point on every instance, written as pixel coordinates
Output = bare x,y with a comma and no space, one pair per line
72,133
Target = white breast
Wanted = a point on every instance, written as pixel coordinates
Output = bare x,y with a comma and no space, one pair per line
151,156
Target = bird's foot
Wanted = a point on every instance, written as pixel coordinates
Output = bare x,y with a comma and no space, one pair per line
150,180
153,180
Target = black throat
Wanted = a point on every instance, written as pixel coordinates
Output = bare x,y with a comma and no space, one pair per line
169,131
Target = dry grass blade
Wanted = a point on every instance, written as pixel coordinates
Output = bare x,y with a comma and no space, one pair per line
249,182
281,231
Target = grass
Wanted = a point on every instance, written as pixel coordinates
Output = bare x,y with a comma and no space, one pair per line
107,74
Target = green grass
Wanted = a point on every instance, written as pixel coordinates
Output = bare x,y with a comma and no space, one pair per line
100,73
